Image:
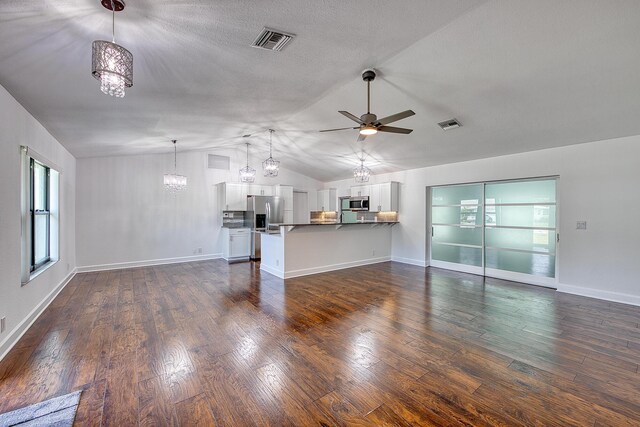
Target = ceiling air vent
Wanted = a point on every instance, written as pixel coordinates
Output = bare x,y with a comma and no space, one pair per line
450,124
272,39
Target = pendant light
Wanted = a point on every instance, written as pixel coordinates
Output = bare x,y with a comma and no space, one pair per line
174,182
247,174
361,173
111,63
271,166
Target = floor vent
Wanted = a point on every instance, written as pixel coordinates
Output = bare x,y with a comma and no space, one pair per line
450,124
270,39
218,162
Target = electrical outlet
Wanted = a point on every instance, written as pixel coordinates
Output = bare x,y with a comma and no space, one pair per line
581,225
199,250
3,324
373,252
277,262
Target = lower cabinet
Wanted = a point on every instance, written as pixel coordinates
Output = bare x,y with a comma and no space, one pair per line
236,243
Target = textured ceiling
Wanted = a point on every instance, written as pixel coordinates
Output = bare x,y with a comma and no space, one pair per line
520,75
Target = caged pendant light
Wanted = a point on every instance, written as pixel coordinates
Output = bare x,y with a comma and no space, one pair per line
111,63
247,173
361,173
172,181
271,166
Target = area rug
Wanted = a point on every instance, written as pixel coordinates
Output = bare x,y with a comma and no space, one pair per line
59,411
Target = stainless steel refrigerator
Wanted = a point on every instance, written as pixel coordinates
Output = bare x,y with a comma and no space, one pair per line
262,211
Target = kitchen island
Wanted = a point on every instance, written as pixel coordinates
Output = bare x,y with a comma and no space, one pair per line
302,249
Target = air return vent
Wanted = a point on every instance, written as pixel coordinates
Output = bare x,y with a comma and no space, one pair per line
218,162
450,124
272,39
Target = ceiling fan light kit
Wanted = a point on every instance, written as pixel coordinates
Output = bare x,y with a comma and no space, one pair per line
369,124
112,64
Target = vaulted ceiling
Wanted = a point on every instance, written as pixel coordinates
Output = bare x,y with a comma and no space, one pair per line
520,75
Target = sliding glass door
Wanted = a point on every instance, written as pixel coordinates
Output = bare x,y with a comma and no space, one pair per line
498,229
457,228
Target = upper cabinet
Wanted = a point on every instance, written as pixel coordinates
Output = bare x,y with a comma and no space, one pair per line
286,193
259,190
382,197
232,197
360,190
326,200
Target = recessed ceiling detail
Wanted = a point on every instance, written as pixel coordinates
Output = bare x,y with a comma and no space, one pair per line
270,39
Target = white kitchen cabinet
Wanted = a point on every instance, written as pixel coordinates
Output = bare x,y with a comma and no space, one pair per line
312,198
360,190
259,190
236,243
382,197
374,198
286,193
327,200
232,197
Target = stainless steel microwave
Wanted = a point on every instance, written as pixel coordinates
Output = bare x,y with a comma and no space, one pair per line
359,203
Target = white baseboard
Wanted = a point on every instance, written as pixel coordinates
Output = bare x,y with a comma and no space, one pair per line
14,336
276,272
146,263
332,267
418,262
599,294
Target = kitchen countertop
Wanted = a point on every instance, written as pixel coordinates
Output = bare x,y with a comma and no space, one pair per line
335,224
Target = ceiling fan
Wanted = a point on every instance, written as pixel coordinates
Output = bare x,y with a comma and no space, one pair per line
368,123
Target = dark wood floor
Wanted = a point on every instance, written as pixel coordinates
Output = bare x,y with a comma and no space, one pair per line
208,343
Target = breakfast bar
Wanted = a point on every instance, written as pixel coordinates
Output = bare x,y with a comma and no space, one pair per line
301,249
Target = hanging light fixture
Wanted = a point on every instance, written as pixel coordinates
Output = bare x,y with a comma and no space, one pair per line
361,173
271,166
172,181
247,174
112,64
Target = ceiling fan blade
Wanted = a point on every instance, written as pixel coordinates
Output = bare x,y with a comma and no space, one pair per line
351,116
361,137
332,130
395,117
394,129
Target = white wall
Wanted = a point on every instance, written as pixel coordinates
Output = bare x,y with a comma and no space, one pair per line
125,217
598,183
17,303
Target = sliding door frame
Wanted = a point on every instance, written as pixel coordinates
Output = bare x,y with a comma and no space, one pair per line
550,282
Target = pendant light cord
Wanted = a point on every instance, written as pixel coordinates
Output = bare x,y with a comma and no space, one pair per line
270,135
113,22
175,157
247,155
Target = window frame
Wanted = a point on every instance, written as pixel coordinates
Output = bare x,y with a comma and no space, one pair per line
35,266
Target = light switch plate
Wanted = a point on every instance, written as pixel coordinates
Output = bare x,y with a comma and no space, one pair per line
581,225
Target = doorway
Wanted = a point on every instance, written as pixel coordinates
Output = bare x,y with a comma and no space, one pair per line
300,207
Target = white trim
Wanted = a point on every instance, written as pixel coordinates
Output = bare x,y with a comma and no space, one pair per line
324,268
471,269
146,263
418,262
276,272
14,336
530,279
600,294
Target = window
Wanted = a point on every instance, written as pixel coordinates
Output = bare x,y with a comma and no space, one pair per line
40,214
